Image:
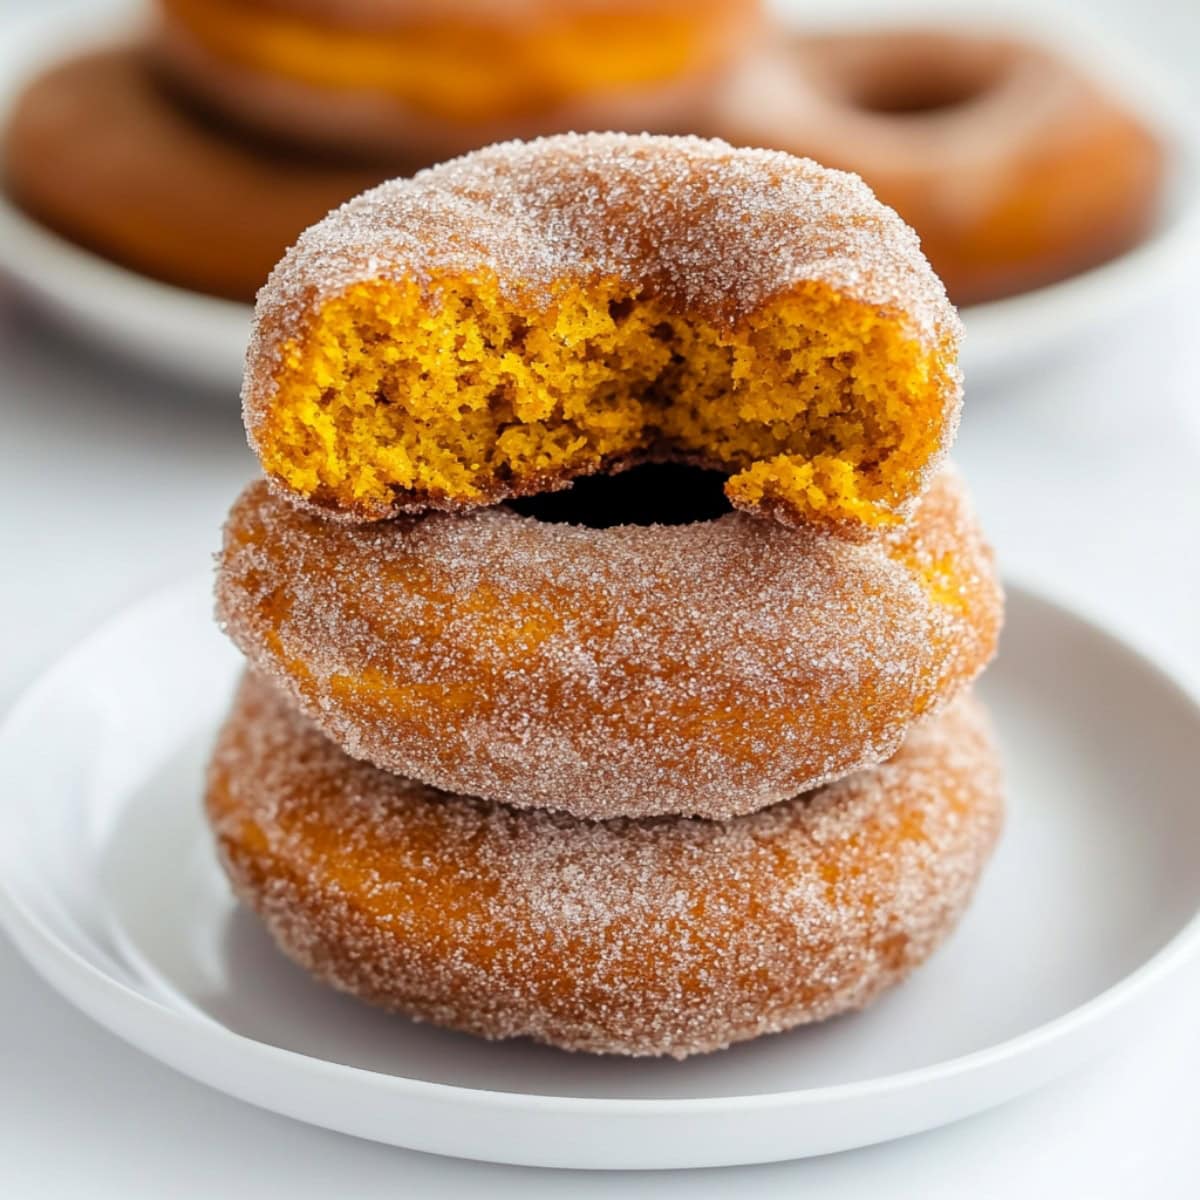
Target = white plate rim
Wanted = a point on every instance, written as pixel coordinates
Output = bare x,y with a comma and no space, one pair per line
55,960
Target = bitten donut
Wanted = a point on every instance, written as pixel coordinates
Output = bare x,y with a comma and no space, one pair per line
1015,168
709,668
96,151
670,936
420,77
533,312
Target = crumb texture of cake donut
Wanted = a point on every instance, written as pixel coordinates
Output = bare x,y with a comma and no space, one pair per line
709,669
1015,168
534,312
661,937
426,76
98,152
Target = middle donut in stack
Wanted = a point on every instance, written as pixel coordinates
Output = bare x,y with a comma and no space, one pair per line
665,696
702,669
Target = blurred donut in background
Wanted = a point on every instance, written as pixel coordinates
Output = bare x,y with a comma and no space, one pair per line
198,155
98,152
435,80
1015,168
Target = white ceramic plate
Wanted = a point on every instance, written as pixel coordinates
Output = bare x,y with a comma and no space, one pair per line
203,339
111,889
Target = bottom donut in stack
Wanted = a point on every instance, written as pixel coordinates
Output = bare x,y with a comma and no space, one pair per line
654,936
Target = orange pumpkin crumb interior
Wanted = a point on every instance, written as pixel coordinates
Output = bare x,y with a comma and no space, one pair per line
821,408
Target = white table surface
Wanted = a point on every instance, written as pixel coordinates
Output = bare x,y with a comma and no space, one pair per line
1087,474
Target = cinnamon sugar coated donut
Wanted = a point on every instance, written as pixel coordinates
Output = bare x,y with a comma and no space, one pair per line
533,312
670,936
441,78
708,668
1014,166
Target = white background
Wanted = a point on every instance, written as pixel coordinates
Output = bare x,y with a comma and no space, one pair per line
1086,470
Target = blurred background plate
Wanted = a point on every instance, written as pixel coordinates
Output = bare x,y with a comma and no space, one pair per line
112,891
201,339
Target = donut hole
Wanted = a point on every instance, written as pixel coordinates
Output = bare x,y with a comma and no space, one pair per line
911,73
819,407
652,494
919,95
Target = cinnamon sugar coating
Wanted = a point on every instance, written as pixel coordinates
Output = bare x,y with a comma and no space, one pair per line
668,936
707,669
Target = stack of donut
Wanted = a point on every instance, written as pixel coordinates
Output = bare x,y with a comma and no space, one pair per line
610,611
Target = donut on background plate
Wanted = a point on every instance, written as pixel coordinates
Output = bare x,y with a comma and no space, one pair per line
1014,167
435,78
99,153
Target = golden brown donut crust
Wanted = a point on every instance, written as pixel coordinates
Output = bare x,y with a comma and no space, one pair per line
1016,168
669,936
708,669
97,151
